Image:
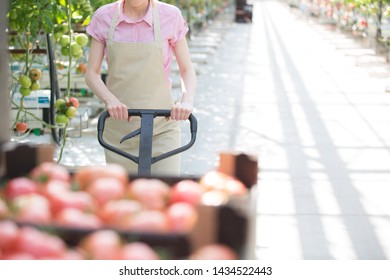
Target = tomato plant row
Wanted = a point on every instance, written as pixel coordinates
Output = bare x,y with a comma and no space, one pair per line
29,24
364,17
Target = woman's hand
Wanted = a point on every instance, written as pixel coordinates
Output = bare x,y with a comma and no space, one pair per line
117,110
182,111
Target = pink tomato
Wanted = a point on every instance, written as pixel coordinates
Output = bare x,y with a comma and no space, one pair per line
106,189
149,221
182,217
47,171
152,193
214,252
72,217
79,200
87,175
73,101
39,244
32,208
187,191
19,186
137,251
101,245
8,234
56,186
117,212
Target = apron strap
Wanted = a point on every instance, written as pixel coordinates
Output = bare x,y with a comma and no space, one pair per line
156,25
113,23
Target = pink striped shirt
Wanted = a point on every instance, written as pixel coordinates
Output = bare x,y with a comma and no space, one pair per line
172,24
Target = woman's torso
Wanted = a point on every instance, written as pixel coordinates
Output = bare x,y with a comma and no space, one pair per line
173,28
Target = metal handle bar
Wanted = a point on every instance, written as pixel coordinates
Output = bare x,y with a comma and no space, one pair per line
144,160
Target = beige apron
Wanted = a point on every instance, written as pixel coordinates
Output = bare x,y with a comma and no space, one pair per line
136,76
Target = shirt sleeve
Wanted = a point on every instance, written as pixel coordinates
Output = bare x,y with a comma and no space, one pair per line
180,29
96,27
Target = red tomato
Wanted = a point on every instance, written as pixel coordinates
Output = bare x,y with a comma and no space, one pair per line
182,217
101,245
214,252
187,191
3,209
8,235
87,175
152,193
73,101
49,171
137,251
117,212
39,244
21,127
149,221
106,189
32,208
71,217
19,186
81,68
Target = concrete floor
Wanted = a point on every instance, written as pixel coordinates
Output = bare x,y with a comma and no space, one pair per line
312,105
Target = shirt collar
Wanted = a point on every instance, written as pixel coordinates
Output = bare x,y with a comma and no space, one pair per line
148,18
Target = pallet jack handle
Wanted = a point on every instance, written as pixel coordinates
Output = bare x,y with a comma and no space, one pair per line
145,159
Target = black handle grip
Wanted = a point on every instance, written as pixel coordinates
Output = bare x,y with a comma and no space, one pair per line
140,113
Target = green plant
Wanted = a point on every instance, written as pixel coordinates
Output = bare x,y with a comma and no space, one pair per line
29,22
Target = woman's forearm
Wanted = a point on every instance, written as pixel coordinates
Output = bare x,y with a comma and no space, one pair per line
96,84
183,110
115,107
188,85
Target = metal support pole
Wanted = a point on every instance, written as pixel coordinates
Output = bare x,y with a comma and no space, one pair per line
4,105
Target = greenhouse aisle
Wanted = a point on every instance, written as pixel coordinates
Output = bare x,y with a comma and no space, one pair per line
312,105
